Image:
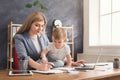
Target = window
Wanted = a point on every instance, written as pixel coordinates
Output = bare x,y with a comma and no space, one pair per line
104,22
102,26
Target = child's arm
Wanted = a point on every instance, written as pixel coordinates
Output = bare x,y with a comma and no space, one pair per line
43,55
68,60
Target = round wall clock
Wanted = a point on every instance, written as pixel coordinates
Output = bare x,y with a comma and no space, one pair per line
57,23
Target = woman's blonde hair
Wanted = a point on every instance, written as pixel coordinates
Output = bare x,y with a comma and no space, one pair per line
34,16
59,33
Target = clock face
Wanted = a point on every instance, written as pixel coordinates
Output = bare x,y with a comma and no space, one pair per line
58,23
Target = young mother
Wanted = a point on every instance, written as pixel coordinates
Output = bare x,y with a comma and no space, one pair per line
31,39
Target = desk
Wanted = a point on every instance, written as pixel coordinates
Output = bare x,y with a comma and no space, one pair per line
110,74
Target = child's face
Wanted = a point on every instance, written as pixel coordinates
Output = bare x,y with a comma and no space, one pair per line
59,43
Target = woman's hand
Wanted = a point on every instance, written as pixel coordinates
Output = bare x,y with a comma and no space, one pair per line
45,66
78,63
40,66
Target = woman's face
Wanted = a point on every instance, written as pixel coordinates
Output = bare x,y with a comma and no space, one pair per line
36,27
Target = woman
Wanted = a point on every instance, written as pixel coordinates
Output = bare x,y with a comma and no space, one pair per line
30,40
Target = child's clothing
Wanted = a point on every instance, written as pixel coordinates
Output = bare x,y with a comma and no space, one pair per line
57,56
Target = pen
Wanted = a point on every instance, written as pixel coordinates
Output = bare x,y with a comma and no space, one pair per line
84,65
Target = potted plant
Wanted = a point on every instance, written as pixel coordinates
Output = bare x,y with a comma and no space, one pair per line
36,3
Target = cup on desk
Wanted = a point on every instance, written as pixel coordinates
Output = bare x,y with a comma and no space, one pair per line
116,63
23,66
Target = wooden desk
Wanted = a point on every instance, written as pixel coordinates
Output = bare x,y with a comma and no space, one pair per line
110,74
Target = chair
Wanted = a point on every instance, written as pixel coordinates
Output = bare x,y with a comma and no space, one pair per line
11,51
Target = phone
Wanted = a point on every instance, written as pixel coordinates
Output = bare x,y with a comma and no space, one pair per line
20,73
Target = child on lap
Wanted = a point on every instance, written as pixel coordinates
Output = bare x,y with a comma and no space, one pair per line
58,51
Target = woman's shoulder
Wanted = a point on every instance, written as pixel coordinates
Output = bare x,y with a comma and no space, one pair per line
20,36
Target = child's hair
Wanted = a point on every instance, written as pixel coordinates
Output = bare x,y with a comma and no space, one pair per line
60,33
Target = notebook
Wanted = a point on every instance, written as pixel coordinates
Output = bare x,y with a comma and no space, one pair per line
89,66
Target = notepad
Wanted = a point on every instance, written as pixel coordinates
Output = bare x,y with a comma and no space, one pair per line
49,71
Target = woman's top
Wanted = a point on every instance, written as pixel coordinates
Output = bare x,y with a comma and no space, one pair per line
36,43
25,47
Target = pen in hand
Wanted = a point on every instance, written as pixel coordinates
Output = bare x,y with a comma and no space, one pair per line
83,64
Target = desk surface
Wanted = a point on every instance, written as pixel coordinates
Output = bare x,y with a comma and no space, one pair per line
98,73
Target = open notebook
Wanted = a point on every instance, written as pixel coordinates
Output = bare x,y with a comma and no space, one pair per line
89,66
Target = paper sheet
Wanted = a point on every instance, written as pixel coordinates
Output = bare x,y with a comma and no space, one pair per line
63,68
50,71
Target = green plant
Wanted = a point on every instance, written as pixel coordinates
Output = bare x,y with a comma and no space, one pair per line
36,3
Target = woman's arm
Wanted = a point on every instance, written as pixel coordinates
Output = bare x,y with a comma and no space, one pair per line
22,53
68,61
42,66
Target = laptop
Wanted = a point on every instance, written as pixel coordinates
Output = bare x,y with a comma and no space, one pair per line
88,66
